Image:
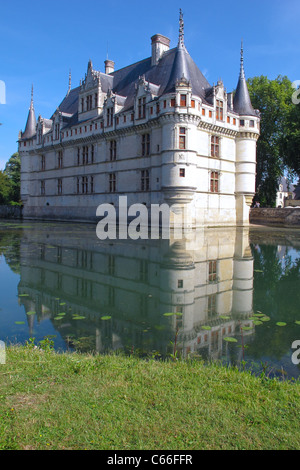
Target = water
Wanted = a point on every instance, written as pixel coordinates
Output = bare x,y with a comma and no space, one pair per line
156,298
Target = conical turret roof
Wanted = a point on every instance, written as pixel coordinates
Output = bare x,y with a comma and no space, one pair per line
241,101
30,129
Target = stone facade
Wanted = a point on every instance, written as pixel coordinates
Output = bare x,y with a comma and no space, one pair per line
155,131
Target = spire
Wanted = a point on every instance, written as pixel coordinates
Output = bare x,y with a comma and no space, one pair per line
241,102
242,71
70,81
181,30
30,129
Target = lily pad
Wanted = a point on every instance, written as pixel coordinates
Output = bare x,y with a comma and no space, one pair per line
62,303
78,317
23,295
206,327
257,322
281,323
297,322
246,328
58,318
19,323
106,317
225,317
31,313
229,339
169,314
265,318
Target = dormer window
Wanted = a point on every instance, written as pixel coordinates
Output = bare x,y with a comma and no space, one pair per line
56,131
142,107
89,102
219,110
109,115
40,134
183,101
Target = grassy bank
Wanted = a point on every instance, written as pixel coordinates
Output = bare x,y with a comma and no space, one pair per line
73,401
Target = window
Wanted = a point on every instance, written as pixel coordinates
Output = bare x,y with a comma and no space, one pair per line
173,102
112,182
85,155
219,110
183,100
59,186
193,103
112,150
242,122
182,172
56,131
142,107
40,135
84,185
42,187
182,133
211,305
92,153
92,184
96,100
60,159
214,182
251,123
109,115
78,155
43,162
89,102
234,121
145,181
78,186
212,271
203,112
210,114
215,146
145,145
180,283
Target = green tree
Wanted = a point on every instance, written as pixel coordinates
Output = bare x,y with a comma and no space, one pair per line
291,140
5,188
13,172
273,98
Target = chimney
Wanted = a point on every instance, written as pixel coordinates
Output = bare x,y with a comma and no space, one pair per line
160,44
109,66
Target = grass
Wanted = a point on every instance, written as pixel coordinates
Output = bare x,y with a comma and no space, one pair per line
75,401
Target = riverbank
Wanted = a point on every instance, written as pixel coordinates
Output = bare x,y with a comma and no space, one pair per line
74,401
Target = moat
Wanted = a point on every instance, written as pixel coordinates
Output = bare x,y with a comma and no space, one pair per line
230,295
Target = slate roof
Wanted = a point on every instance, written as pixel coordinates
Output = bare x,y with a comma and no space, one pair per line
174,64
30,128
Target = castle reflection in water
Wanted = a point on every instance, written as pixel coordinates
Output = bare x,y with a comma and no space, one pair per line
206,278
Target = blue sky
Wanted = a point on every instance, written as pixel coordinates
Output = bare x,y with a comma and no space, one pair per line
41,42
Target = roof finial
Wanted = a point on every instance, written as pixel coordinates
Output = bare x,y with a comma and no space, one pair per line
31,101
70,81
242,72
181,29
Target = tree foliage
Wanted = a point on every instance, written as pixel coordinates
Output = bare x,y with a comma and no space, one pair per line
13,172
5,188
273,98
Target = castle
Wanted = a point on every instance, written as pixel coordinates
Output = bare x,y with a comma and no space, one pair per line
155,131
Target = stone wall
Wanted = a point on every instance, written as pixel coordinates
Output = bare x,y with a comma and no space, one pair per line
10,212
287,217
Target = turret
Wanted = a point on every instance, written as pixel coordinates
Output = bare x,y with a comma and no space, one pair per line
245,147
